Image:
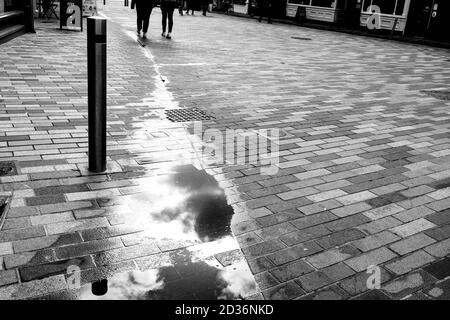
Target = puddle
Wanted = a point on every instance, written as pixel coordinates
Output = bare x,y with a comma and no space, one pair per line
184,279
184,204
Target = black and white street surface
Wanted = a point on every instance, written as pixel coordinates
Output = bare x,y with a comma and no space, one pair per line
358,204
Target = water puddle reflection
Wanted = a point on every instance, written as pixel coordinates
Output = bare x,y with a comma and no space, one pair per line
184,204
204,279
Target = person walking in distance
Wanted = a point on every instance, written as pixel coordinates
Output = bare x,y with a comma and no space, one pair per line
190,6
167,9
266,10
205,4
143,12
181,6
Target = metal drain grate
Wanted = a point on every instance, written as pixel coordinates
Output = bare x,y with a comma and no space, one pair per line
7,169
438,94
186,115
301,38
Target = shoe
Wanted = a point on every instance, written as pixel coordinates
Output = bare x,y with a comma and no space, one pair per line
163,34
168,36
144,35
138,33
269,22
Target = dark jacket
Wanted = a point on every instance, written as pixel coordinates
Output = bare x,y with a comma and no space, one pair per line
142,3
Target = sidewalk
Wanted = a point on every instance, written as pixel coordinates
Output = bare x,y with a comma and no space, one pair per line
363,176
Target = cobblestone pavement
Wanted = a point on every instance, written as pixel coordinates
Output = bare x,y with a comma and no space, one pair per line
363,179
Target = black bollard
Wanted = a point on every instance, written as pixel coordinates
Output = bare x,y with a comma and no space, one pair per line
125,3
99,288
97,93
29,16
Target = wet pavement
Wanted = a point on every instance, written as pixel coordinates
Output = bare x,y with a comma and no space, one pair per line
362,179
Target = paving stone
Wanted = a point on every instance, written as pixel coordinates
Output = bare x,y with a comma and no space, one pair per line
33,288
347,222
265,280
118,254
338,238
19,234
29,258
383,212
58,267
333,256
108,232
275,231
439,269
439,218
375,241
291,271
319,207
379,225
17,212
51,218
46,242
313,281
8,277
372,295
329,293
297,193
261,212
371,258
411,244
85,248
43,200
260,264
439,233
318,197
413,214
412,227
285,291
338,272
408,284
440,291
410,262
6,248
66,227
263,248
313,220
293,253
16,223
439,249
65,206
303,235
358,283
439,205
351,209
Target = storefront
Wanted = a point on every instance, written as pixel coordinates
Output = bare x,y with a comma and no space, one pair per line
319,10
385,14
429,19
9,5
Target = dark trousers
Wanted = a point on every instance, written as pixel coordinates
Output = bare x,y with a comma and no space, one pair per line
143,17
205,5
266,11
167,10
190,6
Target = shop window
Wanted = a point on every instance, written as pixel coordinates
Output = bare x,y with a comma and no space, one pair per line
324,3
400,7
304,2
386,6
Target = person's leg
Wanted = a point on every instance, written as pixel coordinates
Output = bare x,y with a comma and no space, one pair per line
164,20
148,12
139,18
269,14
170,17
